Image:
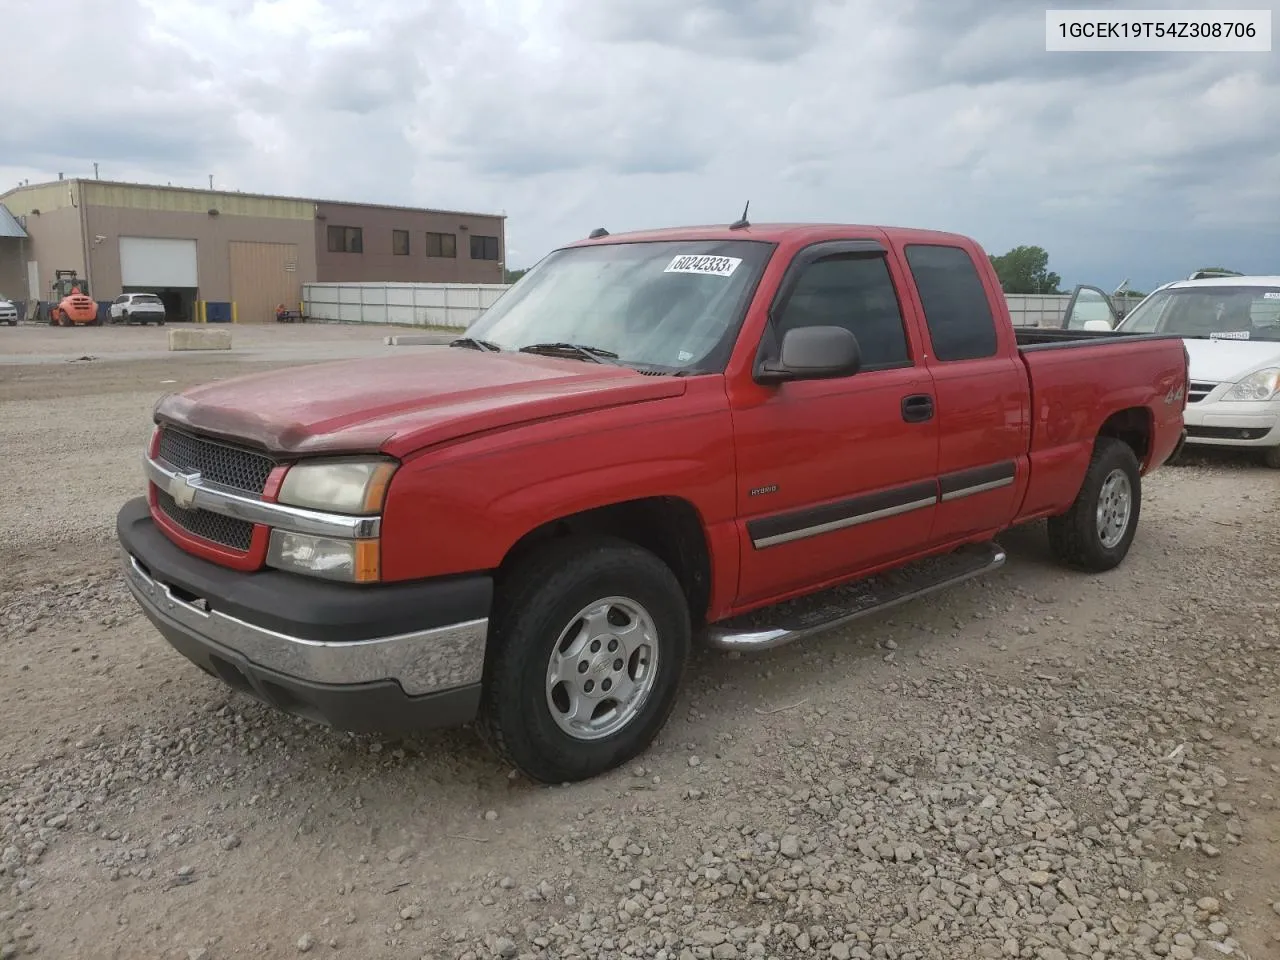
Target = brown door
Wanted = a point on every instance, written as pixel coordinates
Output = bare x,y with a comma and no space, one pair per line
262,276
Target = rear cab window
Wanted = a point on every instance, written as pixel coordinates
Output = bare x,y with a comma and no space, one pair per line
957,310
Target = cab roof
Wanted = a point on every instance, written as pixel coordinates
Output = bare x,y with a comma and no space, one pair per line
782,233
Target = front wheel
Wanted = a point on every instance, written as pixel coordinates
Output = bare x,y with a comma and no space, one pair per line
589,643
1096,532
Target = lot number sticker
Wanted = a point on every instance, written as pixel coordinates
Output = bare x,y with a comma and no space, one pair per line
711,266
1230,335
1271,295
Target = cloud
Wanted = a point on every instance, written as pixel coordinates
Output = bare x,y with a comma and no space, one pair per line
571,114
764,30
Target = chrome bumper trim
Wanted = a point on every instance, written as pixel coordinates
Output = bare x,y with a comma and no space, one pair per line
192,491
427,661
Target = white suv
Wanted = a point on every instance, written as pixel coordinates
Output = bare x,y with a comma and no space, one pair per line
8,311
141,308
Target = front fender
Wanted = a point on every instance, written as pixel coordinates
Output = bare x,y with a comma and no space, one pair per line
462,510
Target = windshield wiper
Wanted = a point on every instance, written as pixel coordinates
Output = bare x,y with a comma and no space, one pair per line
473,344
595,354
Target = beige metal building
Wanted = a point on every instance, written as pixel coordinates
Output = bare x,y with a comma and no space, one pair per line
218,253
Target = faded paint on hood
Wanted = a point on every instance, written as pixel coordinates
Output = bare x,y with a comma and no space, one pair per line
400,405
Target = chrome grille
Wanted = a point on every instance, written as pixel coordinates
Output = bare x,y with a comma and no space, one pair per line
217,462
214,527
1199,390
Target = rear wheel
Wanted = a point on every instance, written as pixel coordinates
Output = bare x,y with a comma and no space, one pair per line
1096,532
1271,458
589,643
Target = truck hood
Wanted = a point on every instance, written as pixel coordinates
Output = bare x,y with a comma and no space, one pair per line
398,405
1226,361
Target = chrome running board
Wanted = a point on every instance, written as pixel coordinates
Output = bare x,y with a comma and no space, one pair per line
836,606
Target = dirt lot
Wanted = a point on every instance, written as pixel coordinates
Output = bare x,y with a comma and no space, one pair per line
1038,764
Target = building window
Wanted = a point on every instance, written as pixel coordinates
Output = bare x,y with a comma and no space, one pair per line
346,240
400,243
484,248
442,245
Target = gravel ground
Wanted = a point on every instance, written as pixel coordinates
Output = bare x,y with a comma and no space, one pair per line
1038,764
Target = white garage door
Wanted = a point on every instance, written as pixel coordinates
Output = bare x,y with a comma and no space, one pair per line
156,262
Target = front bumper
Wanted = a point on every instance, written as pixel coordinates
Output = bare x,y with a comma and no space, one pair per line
1231,424
391,658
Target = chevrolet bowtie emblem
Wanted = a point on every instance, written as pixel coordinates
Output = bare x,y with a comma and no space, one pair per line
183,489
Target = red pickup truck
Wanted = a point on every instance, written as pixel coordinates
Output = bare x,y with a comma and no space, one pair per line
737,435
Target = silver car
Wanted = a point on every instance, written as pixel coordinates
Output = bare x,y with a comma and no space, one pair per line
8,312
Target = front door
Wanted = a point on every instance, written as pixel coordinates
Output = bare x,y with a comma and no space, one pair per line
1088,303
837,475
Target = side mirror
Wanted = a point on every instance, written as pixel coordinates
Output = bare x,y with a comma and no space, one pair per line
1097,326
813,353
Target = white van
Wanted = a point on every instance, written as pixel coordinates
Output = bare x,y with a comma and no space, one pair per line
1231,326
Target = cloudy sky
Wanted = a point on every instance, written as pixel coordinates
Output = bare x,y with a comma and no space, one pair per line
571,114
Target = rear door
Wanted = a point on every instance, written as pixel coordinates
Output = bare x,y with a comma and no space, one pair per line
1088,303
836,475
983,394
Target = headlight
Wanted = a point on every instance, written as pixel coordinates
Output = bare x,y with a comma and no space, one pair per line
354,561
1262,385
342,486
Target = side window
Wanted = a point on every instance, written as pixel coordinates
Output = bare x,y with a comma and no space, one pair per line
956,308
1090,305
857,293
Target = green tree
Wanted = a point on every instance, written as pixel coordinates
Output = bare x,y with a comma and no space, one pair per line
1234,273
511,276
1026,270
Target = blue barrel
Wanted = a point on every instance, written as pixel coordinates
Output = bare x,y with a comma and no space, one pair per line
217,311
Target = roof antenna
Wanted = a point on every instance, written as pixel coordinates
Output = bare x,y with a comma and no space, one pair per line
741,223
597,232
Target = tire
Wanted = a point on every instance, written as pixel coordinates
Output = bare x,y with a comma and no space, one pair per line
1075,537
1271,458
540,602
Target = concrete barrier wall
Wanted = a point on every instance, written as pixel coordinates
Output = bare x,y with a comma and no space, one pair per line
452,305
457,305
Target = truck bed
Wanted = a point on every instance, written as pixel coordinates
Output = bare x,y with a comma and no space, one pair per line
1080,378
1044,338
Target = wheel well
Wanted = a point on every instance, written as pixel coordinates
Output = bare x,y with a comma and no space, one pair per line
1132,426
668,527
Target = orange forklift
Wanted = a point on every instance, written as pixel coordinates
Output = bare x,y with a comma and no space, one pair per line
70,305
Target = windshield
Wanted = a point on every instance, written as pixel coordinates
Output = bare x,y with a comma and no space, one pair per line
1210,313
667,305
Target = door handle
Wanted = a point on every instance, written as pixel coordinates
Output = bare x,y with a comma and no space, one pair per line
917,408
